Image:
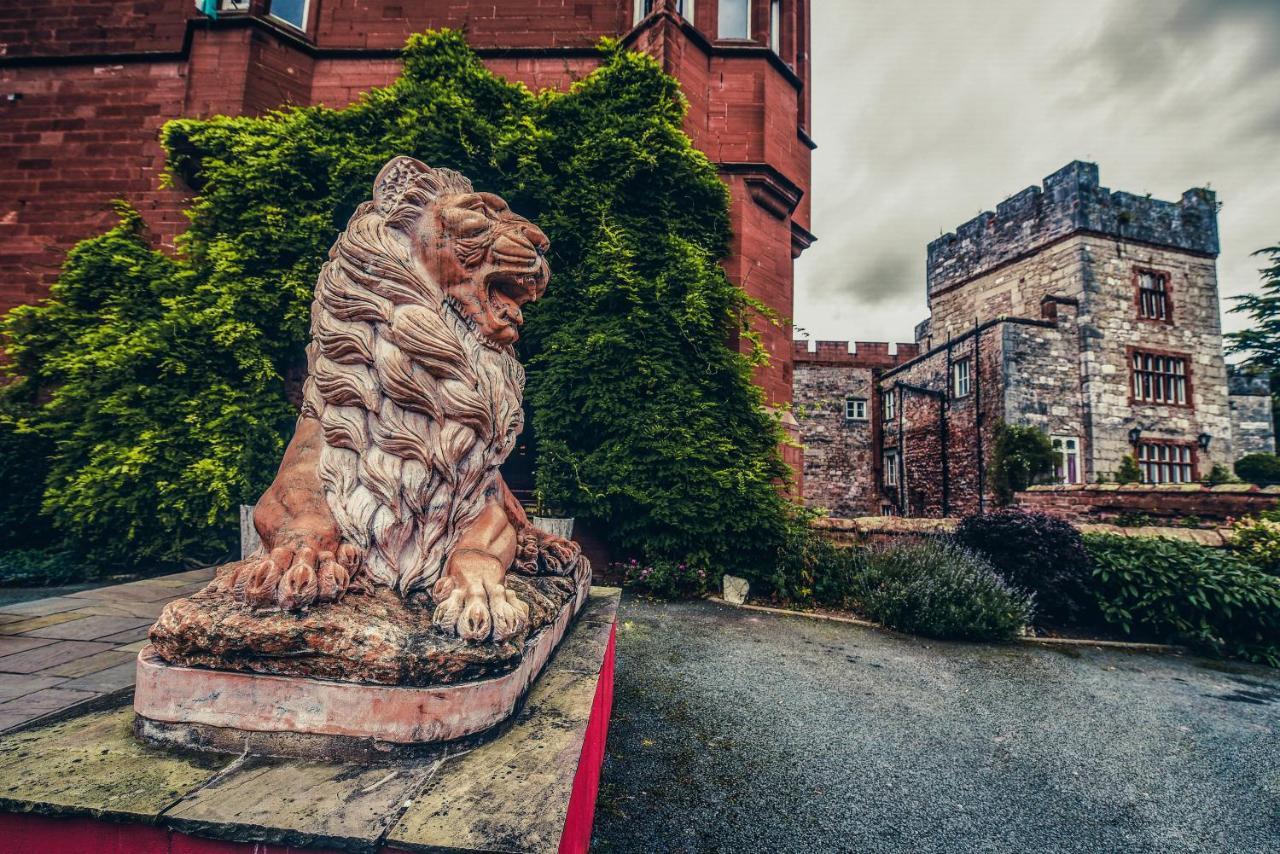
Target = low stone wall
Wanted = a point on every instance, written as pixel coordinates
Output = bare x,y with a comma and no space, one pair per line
887,529
1103,502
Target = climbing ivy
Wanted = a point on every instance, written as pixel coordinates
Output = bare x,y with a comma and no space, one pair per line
155,385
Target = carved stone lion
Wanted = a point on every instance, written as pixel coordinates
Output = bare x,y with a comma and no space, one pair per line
412,401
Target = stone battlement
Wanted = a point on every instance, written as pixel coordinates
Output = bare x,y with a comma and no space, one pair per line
865,354
1242,383
1071,200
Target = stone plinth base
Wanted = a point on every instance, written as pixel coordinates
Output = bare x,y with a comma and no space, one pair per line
289,715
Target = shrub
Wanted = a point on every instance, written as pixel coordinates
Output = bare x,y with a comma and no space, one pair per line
941,589
1220,474
663,579
39,568
1128,471
1262,469
161,377
1257,540
810,569
1036,552
1021,455
1169,590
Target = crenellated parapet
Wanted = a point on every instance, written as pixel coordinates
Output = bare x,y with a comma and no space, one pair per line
862,354
1071,200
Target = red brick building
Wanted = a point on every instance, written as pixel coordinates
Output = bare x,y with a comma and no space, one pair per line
85,86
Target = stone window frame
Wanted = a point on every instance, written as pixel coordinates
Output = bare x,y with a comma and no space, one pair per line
1065,477
1189,392
888,405
853,399
1191,465
1167,277
889,462
750,13
956,393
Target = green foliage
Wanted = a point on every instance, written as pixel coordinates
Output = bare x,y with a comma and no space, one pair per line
810,569
1036,552
1020,456
664,579
1259,342
1257,540
161,379
1169,590
1220,474
40,568
940,589
1262,469
1128,471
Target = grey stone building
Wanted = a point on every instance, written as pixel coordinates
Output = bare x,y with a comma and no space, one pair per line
1090,314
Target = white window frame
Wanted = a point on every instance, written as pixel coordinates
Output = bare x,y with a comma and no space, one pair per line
890,462
855,408
306,16
961,378
775,26
1062,469
889,402
720,21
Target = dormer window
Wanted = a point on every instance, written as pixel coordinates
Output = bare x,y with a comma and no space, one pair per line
1153,296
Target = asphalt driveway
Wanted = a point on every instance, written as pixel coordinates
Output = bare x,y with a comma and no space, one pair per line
741,731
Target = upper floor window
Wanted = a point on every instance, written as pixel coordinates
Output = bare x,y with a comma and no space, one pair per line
890,468
1067,468
890,406
292,12
960,380
734,19
643,8
775,26
855,409
1153,296
1166,462
1159,378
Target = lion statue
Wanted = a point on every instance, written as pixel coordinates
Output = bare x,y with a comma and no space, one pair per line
411,403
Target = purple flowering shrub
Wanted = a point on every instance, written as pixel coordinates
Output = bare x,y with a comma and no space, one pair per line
663,579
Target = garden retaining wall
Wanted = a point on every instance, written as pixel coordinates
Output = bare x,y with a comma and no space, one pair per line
1103,502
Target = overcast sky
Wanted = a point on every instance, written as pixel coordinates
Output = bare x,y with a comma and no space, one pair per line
928,112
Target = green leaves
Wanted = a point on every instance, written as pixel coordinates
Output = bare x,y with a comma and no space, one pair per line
155,386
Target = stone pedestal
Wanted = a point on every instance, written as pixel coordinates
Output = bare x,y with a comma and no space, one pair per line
364,677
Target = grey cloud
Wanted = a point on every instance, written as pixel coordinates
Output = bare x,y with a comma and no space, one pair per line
921,124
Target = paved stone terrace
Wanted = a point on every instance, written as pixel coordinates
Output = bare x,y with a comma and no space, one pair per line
65,650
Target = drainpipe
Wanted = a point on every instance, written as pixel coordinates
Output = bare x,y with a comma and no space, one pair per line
977,413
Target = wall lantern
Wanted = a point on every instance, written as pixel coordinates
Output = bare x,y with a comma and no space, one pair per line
1204,439
1135,433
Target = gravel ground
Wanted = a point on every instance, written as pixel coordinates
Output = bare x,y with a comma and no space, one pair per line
741,731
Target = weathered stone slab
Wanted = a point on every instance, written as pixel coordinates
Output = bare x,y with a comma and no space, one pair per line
50,655
41,607
735,589
298,803
378,637
88,628
32,623
93,663
485,800
10,645
92,765
17,685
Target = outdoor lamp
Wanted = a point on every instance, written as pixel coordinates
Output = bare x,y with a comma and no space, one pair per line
1203,440
1135,433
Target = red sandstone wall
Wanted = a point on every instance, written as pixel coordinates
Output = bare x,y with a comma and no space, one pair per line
1103,502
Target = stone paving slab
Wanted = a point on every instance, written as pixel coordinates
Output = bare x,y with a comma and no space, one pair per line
82,644
89,628
41,607
43,657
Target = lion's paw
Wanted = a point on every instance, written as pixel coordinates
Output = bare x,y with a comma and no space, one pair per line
478,611
293,579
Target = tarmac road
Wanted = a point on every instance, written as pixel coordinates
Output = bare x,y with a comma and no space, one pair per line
747,732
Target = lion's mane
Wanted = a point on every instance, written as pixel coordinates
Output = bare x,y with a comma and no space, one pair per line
417,412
